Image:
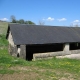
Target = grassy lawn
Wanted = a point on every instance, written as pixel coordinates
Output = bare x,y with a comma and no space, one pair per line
12,68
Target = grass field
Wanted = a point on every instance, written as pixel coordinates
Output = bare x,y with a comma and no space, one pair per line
3,27
12,68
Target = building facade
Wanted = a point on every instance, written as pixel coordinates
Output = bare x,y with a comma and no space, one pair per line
32,42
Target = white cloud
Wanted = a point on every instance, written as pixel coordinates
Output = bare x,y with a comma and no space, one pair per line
4,19
76,21
49,19
62,19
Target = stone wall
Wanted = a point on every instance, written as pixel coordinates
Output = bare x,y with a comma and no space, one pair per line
75,54
66,53
10,39
23,51
12,50
17,52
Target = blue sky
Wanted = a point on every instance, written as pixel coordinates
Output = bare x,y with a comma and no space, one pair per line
51,12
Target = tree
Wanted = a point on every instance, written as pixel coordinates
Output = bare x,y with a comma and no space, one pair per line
21,21
13,19
26,22
30,22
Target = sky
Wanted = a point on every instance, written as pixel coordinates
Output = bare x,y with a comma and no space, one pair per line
51,12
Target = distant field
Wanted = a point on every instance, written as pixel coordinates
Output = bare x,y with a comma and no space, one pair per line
3,27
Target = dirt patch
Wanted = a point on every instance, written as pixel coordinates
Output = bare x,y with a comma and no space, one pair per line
25,73
19,76
36,73
69,76
28,69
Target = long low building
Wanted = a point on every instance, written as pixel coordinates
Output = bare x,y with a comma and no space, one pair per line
41,41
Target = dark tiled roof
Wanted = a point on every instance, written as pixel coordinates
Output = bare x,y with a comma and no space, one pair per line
38,34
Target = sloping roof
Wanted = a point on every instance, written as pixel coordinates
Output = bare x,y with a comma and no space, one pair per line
38,34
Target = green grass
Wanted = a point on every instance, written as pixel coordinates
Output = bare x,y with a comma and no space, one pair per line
71,65
3,41
3,27
51,69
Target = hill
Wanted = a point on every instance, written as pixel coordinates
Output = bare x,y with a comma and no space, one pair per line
3,28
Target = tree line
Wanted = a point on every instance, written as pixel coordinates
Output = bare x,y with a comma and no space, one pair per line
21,21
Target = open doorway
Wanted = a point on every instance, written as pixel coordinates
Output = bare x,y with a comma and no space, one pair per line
74,46
42,48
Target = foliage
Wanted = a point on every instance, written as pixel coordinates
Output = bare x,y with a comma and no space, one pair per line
13,19
21,21
30,22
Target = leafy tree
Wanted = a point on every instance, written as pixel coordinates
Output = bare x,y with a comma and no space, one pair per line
21,21
13,19
30,22
26,22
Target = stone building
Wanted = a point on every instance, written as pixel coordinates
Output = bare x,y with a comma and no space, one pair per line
41,41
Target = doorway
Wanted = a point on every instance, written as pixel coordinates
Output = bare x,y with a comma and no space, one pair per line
41,48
